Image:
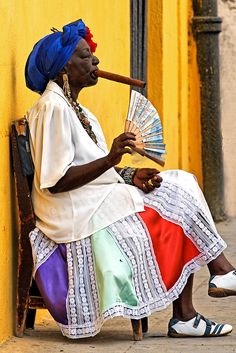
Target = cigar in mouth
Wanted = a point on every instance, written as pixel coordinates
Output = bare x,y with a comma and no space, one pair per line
118,78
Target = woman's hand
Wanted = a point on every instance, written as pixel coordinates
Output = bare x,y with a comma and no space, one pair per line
119,147
80,175
147,179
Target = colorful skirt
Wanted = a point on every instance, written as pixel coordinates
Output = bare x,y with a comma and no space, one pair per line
137,265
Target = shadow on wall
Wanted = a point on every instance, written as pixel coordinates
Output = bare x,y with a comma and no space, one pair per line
14,227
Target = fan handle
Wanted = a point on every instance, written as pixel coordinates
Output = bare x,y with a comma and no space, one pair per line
145,154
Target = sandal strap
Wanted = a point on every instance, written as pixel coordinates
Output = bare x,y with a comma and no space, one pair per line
208,328
209,325
197,320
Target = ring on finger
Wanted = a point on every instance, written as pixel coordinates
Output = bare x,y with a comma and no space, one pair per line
145,186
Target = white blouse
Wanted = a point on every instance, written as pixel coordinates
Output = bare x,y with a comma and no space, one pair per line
58,142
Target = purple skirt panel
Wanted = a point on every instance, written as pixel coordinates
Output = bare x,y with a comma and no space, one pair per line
52,281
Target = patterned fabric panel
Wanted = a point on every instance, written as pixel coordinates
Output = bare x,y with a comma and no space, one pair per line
132,238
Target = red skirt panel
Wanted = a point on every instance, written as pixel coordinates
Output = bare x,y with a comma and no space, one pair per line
172,248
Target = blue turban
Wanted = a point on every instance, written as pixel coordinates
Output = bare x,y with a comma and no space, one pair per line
50,55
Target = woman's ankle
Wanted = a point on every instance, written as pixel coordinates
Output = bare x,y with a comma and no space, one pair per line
184,316
220,271
220,266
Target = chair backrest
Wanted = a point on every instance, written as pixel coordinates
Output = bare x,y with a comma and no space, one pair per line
23,170
23,173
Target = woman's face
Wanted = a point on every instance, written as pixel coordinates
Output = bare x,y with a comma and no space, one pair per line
81,66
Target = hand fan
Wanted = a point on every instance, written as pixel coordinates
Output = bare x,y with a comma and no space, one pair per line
143,120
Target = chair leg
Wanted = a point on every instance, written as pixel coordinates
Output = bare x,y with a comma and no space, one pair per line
24,275
144,325
137,330
21,310
30,318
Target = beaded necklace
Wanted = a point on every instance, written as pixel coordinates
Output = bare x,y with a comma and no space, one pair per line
81,116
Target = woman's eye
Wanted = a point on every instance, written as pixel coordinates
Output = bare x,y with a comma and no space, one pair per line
87,56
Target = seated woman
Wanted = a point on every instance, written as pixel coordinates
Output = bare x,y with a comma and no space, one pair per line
110,242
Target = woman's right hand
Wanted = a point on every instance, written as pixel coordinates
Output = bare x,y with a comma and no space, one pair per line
119,147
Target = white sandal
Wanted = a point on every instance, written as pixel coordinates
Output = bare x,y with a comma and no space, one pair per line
222,286
197,327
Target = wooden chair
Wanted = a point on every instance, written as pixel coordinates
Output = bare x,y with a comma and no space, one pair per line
28,297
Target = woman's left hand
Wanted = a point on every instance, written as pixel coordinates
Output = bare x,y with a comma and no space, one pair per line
147,179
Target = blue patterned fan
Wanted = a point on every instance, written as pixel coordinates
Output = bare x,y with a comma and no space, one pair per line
143,120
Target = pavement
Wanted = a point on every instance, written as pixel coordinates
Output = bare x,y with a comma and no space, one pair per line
116,334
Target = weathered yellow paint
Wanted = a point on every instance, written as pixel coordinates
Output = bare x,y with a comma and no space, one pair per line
23,23
155,57
173,83
189,95
194,105
170,82
183,84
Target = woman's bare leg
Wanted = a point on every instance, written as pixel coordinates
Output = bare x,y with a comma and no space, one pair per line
194,324
183,308
220,266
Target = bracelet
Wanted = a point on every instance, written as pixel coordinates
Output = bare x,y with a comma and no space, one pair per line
127,174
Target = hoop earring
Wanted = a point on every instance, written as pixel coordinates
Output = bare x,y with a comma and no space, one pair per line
66,86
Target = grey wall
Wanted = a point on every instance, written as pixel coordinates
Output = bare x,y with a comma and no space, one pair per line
227,10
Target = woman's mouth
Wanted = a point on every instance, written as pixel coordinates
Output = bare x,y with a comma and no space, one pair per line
94,75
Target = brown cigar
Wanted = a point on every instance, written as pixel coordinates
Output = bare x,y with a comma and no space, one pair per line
121,79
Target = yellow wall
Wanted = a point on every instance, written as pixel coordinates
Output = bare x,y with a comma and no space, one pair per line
23,23
173,83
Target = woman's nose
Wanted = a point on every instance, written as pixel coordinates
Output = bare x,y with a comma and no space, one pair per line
95,60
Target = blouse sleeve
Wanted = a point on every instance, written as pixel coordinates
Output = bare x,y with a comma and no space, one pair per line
54,148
